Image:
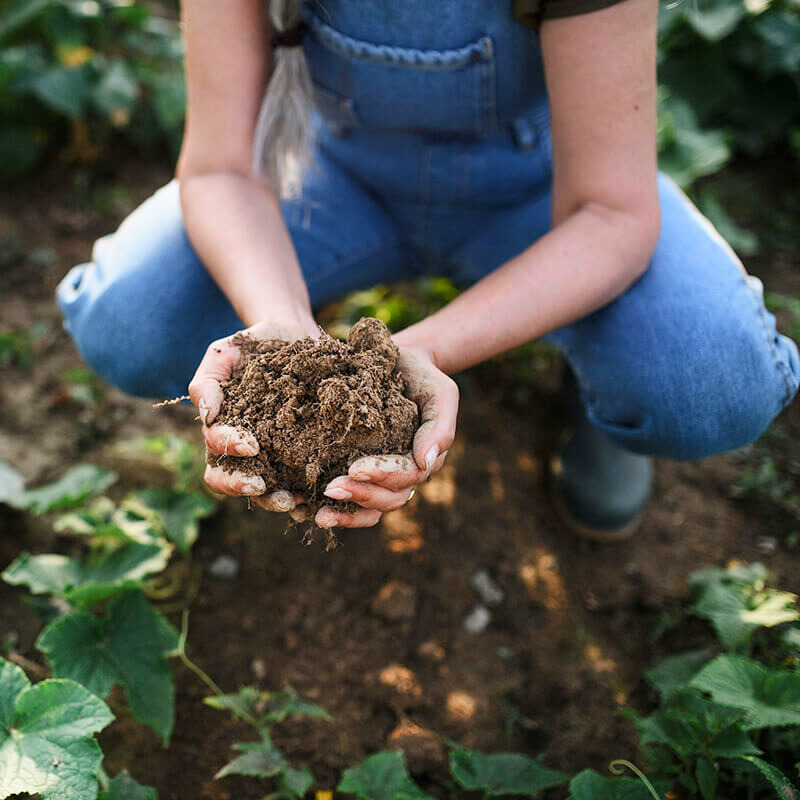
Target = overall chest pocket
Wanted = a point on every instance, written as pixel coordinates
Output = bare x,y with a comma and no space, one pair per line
401,89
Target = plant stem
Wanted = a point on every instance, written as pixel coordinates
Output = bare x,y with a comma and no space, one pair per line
103,779
617,767
207,680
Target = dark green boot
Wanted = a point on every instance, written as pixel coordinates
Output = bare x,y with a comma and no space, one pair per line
599,489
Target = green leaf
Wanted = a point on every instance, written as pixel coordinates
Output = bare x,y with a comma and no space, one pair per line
103,519
591,785
172,512
12,484
785,789
116,93
737,603
691,725
769,697
381,777
501,773
716,23
63,89
287,704
260,760
75,486
295,782
19,13
248,702
675,672
780,32
46,742
127,647
85,583
124,787
706,774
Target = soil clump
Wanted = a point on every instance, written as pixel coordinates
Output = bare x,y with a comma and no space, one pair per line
317,405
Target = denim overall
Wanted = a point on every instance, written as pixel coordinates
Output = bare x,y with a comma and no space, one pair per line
434,158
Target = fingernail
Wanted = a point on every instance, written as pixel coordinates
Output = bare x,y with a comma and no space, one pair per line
360,476
325,519
338,493
254,485
202,407
430,459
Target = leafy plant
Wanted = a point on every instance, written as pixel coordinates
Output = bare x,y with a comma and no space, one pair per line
383,776
75,486
704,735
128,646
47,745
262,759
89,69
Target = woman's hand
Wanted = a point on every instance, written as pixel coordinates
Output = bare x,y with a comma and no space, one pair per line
205,390
385,482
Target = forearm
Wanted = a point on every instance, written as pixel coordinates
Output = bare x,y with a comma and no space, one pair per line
235,224
579,266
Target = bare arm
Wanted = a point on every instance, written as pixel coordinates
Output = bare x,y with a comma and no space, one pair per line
233,217
600,70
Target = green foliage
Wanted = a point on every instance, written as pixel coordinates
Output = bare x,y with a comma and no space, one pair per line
83,583
736,602
784,788
735,64
172,513
705,733
75,486
591,785
768,697
262,759
128,647
501,773
383,776
116,67
124,787
46,737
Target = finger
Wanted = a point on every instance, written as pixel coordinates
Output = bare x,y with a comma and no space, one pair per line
327,517
438,429
233,483
279,500
367,495
394,472
217,365
229,441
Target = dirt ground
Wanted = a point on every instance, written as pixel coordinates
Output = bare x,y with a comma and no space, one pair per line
565,649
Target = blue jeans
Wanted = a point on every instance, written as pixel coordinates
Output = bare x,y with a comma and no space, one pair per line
684,364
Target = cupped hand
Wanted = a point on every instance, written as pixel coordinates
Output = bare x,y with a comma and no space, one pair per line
385,482
205,390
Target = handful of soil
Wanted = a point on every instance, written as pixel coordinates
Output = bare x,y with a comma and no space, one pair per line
317,405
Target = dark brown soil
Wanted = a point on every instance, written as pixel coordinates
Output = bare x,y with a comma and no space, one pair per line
564,652
317,405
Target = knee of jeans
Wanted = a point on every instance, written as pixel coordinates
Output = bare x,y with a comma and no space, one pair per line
722,395
102,319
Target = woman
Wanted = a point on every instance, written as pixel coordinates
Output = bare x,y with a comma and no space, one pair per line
510,147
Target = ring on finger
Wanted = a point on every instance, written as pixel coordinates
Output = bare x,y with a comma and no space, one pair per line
410,495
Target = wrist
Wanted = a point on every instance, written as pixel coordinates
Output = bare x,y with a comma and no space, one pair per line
417,339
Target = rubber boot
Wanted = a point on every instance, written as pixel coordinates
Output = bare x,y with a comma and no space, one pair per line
599,489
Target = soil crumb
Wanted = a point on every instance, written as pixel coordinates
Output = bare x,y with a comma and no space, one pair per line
317,405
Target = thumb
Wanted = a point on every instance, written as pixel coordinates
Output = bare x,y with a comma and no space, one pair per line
217,365
438,429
